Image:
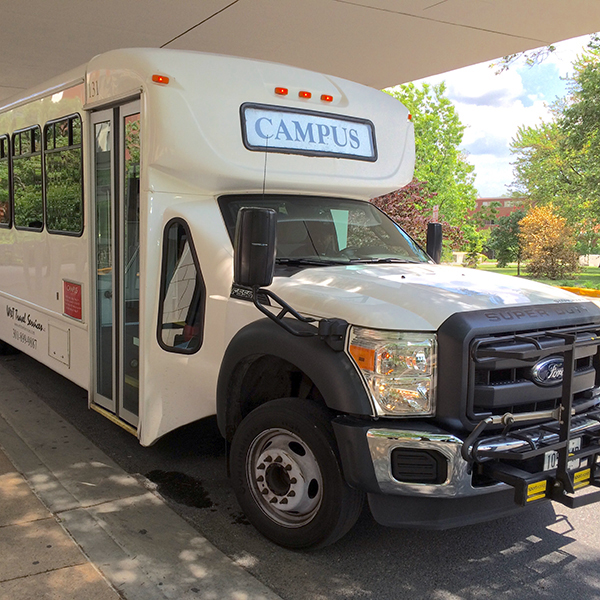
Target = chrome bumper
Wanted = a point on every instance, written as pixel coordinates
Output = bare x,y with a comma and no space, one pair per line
458,482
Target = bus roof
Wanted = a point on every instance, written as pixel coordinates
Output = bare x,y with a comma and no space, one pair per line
221,124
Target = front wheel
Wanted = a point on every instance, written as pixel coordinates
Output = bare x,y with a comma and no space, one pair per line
287,477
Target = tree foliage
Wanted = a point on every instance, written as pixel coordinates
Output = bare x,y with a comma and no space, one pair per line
505,240
548,243
410,207
530,57
580,125
443,169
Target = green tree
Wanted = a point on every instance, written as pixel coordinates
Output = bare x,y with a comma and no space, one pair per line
439,161
580,125
504,240
541,170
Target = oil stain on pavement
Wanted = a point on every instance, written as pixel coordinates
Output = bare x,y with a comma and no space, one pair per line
181,488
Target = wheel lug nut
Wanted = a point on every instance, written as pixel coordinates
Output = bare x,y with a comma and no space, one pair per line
288,467
293,480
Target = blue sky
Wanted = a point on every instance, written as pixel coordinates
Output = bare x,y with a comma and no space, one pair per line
493,106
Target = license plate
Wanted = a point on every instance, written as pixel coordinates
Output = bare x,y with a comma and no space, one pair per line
551,457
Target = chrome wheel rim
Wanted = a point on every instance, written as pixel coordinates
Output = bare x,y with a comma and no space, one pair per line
285,478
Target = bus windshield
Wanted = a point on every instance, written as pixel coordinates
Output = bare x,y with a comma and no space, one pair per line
320,230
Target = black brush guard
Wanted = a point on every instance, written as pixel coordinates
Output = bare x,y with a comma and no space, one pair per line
514,457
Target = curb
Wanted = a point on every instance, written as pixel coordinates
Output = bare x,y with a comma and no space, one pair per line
582,291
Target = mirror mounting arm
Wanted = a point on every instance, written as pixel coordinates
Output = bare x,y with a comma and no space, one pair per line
285,309
331,331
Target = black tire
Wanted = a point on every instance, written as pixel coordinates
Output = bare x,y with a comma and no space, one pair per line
287,476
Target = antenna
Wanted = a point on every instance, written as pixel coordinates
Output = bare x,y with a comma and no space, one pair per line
265,167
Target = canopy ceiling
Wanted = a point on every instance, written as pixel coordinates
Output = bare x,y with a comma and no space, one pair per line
376,42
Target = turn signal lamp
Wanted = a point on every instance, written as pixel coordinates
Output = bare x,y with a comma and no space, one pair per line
162,79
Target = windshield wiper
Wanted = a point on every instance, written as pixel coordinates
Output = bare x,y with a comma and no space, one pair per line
385,260
313,262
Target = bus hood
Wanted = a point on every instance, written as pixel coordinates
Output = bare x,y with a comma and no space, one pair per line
407,296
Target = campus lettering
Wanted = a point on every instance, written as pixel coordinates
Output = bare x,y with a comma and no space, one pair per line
313,133
277,130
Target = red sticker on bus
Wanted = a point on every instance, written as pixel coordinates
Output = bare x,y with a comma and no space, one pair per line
72,300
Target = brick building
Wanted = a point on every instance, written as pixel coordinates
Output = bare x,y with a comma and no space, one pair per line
504,206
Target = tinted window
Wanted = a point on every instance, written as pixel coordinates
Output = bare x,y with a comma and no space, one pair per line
64,181
27,179
182,292
4,183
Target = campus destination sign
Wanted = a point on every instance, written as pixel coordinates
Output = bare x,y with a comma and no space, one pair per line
273,129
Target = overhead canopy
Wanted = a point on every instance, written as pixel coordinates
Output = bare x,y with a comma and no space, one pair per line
376,42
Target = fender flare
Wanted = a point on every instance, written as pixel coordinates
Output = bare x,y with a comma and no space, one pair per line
331,372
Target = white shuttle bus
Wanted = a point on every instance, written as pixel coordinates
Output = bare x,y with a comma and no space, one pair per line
187,235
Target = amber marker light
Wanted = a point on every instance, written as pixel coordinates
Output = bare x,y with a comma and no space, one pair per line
281,91
306,95
364,357
326,98
162,79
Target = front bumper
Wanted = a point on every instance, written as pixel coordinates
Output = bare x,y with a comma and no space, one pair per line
484,479
366,451
458,480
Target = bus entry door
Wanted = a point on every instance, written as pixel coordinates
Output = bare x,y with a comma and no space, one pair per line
115,210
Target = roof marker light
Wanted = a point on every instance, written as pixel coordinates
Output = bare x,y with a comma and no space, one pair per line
163,79
281,91
409,117
306,95
326,98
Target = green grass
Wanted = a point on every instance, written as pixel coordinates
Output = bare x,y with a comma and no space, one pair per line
587,277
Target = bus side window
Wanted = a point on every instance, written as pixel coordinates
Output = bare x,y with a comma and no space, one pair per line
5,219
27,179
182,292
63,170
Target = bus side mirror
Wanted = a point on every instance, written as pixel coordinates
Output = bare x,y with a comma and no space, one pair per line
254,247
434,241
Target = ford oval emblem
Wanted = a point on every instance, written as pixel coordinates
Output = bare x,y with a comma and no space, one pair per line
548,371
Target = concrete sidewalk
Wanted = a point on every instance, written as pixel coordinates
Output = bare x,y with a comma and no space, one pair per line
74,525
39,560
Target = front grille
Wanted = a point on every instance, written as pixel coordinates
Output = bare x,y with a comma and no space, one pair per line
502,374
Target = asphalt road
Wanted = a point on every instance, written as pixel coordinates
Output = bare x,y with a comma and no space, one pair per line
550,552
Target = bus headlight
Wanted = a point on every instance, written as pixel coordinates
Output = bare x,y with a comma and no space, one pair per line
399,368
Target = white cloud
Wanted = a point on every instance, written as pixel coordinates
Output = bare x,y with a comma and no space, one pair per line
493,106
494,173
